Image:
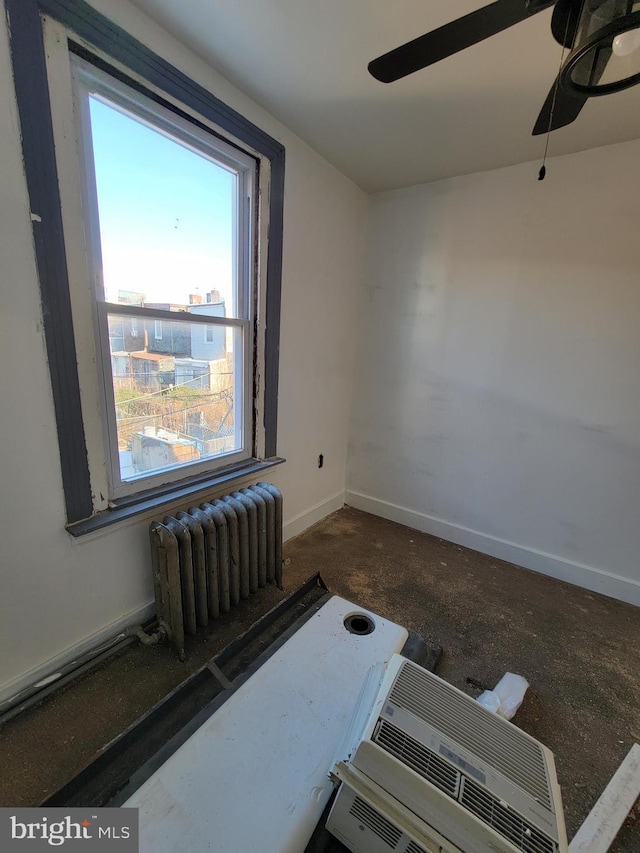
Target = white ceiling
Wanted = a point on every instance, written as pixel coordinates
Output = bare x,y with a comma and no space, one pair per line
305,61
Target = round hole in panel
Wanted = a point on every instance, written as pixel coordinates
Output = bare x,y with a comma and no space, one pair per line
360,624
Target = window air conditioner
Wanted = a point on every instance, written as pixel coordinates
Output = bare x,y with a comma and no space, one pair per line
435,772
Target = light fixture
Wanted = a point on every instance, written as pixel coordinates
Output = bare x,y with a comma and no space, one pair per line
606,51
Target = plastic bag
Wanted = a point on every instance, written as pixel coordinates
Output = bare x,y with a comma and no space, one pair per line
506,697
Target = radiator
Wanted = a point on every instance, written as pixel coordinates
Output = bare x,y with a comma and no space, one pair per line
208,559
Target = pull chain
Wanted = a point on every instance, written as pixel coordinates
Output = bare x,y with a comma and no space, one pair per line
543,168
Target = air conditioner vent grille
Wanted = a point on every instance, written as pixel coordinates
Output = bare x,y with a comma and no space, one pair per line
505,821
500,745
414,848
378,824
418,757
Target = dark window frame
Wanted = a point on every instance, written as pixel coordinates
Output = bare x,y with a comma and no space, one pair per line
34,109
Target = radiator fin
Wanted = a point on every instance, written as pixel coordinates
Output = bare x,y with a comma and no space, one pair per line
418,757
493,740
378,824
504,820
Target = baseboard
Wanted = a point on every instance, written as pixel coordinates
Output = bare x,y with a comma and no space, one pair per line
299,523
49,671
579,574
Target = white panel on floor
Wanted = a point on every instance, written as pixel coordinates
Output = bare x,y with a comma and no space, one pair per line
254,775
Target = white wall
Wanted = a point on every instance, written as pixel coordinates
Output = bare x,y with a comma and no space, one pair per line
59,594
498,397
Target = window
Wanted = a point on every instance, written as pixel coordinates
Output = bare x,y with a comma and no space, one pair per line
180,196
168,207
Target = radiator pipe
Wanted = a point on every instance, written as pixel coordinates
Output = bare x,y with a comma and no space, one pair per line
148,639
65,674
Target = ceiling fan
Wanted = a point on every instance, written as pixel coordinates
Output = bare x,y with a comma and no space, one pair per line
602,35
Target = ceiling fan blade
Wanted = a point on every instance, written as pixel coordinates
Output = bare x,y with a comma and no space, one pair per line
564,21
567,105
565,110
453,37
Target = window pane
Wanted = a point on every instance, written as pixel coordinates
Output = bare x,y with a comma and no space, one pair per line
177,398
167,216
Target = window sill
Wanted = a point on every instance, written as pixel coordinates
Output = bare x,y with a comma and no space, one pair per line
154,499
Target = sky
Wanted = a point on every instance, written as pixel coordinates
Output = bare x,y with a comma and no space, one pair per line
165,212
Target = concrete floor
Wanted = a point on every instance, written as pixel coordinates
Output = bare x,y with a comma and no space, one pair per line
578,650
